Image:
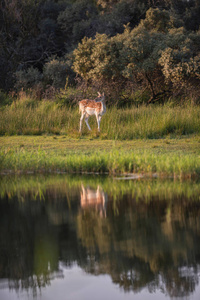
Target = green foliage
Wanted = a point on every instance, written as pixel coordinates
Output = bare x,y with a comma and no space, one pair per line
99,59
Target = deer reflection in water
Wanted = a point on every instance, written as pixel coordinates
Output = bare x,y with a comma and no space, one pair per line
94,199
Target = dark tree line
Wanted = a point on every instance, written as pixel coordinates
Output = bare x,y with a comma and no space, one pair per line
38,37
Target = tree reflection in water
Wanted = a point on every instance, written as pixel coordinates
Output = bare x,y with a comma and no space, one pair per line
139,243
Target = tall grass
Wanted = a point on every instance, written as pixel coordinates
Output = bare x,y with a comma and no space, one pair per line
151,122
30,117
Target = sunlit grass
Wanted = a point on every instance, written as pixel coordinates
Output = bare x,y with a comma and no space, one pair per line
31,117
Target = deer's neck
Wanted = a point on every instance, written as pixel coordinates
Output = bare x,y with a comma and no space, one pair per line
103,108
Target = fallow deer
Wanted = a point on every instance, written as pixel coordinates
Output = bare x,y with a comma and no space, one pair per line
95,107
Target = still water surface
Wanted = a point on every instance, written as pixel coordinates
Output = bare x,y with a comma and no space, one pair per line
64,237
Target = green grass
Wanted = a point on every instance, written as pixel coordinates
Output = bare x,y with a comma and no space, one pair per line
30,117
178,157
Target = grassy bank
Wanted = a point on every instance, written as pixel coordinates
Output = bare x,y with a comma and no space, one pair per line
29,117
42,136
165,157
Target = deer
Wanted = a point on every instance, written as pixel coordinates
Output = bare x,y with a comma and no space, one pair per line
95,107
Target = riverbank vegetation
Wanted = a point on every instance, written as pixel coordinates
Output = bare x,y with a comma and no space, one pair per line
180,157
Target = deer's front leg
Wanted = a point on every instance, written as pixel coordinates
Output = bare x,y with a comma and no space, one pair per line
81,120
98,121
86,121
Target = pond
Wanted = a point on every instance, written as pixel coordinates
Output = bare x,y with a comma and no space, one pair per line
92,237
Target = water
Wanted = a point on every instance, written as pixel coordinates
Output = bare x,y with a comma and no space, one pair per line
66,237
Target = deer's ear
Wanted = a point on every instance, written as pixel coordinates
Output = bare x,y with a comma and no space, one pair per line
103,94
99,94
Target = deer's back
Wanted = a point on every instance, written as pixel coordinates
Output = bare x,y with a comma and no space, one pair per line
90,104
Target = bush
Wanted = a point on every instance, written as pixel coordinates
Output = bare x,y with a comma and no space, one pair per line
58,73
26,79
55,73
